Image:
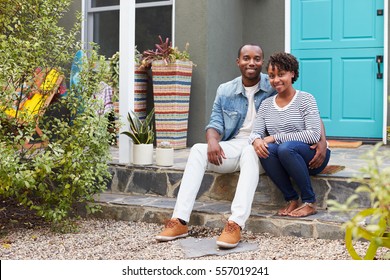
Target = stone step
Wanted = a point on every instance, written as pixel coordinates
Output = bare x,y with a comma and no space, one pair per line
165,182
148,194
158,209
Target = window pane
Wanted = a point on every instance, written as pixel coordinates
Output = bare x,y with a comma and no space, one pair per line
106,32
147,30
147,1
104,3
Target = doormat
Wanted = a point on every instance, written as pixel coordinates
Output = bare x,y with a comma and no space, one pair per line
199,247
331,169
344,144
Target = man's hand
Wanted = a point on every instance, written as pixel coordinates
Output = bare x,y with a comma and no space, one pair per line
215,153
320,148
320,155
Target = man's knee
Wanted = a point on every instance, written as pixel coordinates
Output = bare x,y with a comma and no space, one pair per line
248,151
199,147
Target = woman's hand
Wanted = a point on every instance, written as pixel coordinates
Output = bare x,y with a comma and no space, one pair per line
261,148
269,139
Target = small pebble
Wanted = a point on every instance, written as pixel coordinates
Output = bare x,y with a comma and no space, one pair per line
99,239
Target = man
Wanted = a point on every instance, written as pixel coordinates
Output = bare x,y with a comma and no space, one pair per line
228,150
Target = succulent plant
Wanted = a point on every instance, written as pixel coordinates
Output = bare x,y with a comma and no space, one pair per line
164,51
141,131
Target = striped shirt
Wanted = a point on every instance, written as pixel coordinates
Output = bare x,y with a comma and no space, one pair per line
297,121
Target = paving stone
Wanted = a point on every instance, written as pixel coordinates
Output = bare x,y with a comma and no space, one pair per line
207,182
121,179
224,187
199,247
162,203
342,190
135,200
298,229
329,231
214,207
145,181
263,226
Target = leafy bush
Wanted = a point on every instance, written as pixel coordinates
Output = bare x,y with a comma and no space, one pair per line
372,224
72,168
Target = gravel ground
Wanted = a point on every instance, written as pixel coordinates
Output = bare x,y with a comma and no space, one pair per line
121,240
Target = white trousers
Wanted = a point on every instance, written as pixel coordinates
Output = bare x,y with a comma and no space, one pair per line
239,156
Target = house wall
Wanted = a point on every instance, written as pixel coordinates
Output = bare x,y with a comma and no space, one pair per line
264,23
215,30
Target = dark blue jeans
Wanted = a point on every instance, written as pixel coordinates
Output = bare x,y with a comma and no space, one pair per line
291,159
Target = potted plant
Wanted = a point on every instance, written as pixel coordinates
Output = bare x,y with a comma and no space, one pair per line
164,154
172,73
142,134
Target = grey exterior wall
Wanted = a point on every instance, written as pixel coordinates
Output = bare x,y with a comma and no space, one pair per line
215,30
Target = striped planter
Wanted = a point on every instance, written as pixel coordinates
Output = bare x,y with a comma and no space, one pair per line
171,92
140,95
140,91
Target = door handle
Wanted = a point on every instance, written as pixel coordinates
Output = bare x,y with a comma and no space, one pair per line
379,60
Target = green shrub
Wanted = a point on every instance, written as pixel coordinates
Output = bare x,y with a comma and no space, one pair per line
372,224
72,168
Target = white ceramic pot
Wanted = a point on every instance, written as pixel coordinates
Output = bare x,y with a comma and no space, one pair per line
143,154
164,156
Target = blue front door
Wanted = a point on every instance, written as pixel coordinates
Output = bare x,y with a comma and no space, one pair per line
339,44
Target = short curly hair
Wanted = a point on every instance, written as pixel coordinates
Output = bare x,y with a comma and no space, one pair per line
286,62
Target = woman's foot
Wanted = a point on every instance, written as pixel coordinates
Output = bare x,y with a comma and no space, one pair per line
306,209
290,206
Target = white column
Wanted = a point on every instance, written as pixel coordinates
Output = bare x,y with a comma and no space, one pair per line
126,73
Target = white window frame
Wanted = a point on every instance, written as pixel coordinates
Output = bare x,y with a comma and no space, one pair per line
88,11
126,96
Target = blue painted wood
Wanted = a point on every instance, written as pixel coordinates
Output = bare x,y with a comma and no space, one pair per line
336,42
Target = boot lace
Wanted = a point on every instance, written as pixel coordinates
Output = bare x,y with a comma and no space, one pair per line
171,223
231,227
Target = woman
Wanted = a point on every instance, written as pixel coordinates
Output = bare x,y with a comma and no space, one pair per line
285,127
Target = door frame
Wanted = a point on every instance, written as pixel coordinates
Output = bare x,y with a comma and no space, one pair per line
287,47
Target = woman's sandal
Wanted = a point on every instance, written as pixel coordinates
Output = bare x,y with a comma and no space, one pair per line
306,209
290,206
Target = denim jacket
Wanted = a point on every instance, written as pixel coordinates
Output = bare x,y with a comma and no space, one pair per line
231,105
